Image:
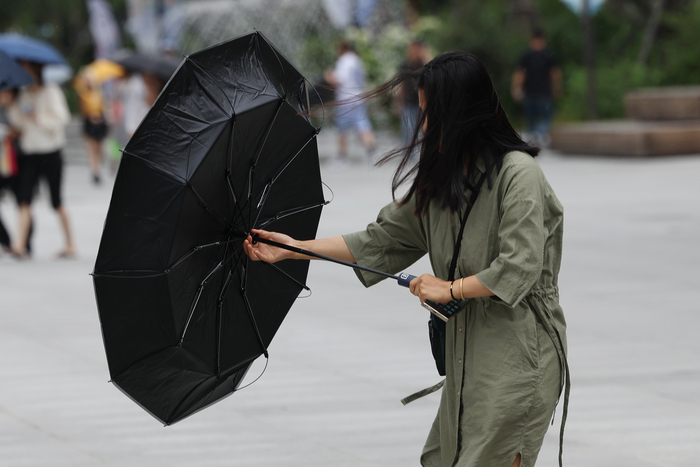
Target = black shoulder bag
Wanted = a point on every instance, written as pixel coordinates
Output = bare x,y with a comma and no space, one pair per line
436,327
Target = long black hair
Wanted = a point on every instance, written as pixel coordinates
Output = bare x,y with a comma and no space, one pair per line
465,122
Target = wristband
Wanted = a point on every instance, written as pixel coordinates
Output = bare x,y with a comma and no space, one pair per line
451,284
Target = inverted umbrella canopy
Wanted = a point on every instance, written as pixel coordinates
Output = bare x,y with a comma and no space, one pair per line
11,74
27,48
225,148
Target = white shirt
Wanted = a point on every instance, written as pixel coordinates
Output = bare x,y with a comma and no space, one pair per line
135,106
349,73
41,115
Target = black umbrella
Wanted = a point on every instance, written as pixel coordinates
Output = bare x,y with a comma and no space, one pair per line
11,74
225,148
163,66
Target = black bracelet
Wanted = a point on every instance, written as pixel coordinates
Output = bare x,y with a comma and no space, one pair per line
453,295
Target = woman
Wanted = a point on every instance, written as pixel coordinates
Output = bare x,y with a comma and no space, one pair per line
40,114
94,124
505,354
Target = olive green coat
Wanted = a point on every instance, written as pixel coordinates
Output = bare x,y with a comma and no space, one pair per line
505,355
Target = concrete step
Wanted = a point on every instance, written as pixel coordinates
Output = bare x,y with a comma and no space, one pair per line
667,103
628,138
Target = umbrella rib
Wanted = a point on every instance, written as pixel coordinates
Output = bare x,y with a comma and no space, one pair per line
201,288
290,212
255,324
269,129
149,273
251,172
291,159
204,282
184,398
206,91
171,117
220,304
235,200
269,184
118,273
244,294
221,219
219,313
154,166
274,51
196,301
229,164
196,249
303,286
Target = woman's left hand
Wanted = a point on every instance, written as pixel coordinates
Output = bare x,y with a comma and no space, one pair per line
429,287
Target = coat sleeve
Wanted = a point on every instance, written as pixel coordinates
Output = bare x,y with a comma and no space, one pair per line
390,244
521,233
54,115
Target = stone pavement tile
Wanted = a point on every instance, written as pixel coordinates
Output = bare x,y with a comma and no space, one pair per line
345,356
23,443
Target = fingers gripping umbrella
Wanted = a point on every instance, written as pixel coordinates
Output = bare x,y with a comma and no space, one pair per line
224,149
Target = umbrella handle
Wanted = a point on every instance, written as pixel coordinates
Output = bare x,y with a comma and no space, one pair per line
403,279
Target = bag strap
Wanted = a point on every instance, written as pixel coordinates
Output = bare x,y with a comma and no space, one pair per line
458,243
440,325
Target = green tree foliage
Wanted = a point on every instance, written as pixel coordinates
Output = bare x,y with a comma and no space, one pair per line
63,23
498,33
677,52
486,29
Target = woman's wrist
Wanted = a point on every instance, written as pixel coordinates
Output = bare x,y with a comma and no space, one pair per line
297,244
470,287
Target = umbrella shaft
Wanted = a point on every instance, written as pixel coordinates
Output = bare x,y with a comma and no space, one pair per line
257,238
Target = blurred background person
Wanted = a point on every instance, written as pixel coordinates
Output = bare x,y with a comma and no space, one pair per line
133,98
114,113
536,84
8,160
95,127
40,115
407,98
348,79
138,93
154,84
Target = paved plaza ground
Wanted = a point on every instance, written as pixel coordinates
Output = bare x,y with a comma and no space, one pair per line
344,357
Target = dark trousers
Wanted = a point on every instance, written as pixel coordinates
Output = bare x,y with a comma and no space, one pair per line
539,111
34,167
12,185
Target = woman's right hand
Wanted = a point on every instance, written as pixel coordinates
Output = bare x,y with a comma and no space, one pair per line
268,253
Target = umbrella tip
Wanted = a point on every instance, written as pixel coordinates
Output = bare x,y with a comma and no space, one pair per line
318,130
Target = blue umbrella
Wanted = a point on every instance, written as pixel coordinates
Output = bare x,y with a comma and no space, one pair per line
32,50
11,74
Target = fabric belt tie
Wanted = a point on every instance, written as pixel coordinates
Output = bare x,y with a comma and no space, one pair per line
422,393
